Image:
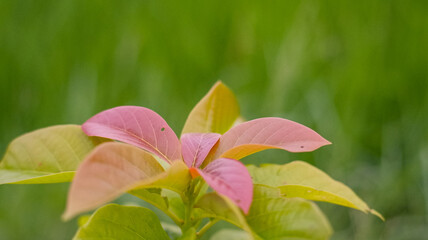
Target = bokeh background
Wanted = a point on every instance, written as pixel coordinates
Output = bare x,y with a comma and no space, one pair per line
355,71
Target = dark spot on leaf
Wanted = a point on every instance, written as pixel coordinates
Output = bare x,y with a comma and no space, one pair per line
162,129
302,146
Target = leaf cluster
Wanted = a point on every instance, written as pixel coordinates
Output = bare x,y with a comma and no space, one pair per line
196,180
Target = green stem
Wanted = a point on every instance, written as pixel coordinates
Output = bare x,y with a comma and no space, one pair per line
188,201
187,215
207,226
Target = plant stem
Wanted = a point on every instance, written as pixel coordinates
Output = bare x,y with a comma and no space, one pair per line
187,215
188,201
206,227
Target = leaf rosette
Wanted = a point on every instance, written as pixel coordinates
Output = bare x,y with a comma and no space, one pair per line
132,149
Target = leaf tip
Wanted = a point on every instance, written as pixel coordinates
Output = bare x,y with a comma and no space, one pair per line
66,216
377,214
246,210
327,142
220,84
70,213
323,141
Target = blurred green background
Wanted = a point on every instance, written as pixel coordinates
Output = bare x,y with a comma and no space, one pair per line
357,72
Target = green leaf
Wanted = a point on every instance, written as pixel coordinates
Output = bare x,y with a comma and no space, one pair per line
216,112
231,234
47,155
273,216
175,203
300,179
154,198
190,234
122,222
213,205
168,202
82,220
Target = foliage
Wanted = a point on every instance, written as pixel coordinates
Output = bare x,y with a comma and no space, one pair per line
149,161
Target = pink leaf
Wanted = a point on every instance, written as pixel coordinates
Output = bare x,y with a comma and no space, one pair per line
196,146
230,178
265,133
138,126
109,171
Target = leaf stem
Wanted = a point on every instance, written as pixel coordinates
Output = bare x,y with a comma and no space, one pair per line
207,226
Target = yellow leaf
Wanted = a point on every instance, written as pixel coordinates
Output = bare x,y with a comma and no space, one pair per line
47,155
300,179
216,112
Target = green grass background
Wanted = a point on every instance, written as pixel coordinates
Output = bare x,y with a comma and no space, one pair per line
355,71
